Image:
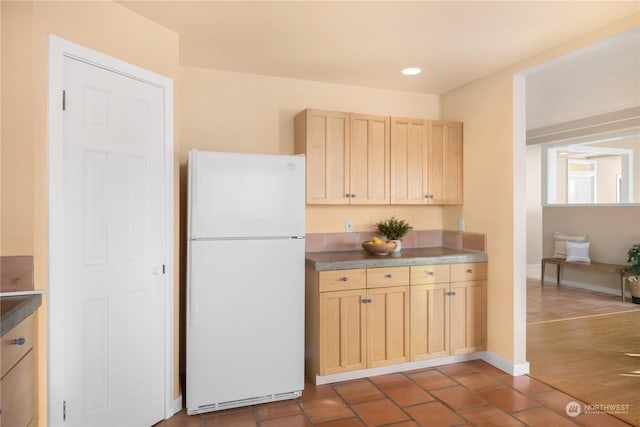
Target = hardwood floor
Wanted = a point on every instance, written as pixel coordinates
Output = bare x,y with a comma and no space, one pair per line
551,302
587,345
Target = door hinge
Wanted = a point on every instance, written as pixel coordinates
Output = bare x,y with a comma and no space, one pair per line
64,100
164,269
64,410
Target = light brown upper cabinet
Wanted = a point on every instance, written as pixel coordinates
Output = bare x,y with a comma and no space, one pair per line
323,136
409,161
347,156
379,160
426,162
445,162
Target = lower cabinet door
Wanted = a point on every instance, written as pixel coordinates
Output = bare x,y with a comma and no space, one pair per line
17,394
429,321
468,323
387,326
342,318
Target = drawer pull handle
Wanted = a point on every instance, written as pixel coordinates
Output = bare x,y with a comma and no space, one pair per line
19,341
344,279
367,301
430,273
451,293
388,276
469,270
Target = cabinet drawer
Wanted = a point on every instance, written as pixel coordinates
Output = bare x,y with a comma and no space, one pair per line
426,274
340,280
391,276
12,350
469,271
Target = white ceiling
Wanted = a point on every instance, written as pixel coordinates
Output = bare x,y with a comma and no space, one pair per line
367,43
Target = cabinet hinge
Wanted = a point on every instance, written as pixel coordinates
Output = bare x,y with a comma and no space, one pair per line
164,269
64,410
64,100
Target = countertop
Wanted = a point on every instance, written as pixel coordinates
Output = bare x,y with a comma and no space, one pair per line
346,260
14,309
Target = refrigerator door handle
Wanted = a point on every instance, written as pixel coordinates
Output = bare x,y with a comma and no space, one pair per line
191,305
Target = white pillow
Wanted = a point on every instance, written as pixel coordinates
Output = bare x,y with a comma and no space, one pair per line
560,240
578,252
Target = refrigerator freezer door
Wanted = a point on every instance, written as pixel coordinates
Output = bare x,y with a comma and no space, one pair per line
237,195
245,320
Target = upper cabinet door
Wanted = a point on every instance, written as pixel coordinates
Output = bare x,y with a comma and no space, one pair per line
369,160
409,162
445,161
379,160
324,137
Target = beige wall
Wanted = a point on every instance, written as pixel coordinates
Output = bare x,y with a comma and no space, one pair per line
232,111
103,26
229,111
610,229
487,109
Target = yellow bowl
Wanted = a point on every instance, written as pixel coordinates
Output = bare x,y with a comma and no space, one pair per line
379,248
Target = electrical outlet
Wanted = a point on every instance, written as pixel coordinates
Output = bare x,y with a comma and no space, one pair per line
461,224
348,225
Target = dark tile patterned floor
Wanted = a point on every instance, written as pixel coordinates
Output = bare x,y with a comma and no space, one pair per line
462,394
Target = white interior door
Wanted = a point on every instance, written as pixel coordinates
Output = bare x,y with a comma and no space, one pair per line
113,249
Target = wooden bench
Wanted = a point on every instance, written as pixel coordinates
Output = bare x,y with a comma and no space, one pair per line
594,266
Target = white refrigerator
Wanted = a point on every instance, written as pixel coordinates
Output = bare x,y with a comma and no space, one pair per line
245,279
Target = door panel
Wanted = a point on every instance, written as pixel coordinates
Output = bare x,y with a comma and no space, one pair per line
429,321
244,297
113,206
342,331
388,326
408,161
255,187
369,159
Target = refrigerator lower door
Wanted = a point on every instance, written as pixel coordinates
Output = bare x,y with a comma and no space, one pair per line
245,323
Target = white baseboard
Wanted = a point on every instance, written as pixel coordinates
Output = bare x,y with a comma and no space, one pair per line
400,367
551,280
176,406
534,270
511,368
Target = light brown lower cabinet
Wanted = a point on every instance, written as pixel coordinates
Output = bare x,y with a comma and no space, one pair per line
17,383
342,329
448,309
367,318
357,328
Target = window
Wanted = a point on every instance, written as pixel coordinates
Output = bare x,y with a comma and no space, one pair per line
597,170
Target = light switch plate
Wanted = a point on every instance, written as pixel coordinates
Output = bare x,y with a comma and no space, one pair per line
348,225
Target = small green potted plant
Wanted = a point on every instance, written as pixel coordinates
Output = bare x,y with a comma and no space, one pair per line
633,272
394,229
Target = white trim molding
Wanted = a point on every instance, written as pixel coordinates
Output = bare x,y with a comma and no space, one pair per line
511,368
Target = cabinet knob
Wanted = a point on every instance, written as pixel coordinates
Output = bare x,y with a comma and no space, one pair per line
19,341
344,279
347,195
353,195
388,276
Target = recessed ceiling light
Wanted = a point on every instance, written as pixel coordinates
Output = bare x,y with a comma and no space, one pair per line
411,71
